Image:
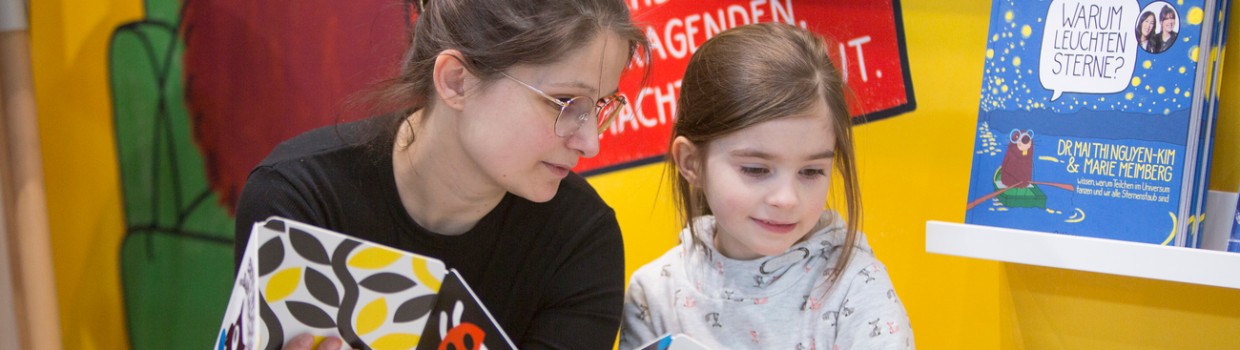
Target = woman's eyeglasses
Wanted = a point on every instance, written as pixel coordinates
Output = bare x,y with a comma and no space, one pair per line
581,110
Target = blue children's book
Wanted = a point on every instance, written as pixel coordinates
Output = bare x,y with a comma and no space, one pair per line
1233,244
1215,69
1095,118
296,278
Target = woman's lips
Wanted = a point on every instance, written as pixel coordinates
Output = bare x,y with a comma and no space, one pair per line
556,169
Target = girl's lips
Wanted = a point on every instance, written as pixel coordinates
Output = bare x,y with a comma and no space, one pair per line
775,227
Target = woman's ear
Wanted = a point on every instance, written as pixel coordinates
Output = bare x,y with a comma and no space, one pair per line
688,161
450,77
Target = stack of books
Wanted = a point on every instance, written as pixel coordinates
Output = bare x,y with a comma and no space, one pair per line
1096,118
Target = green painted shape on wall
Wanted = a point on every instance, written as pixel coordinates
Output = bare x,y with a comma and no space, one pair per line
176,258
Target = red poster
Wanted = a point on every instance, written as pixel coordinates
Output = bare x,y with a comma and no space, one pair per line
869,49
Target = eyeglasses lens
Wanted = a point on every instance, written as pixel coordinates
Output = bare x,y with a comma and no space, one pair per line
577,112
609,111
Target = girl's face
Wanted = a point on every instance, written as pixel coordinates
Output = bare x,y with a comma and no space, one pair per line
767,184
1147,25
507,130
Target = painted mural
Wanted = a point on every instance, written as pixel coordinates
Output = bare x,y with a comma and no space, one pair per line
202,90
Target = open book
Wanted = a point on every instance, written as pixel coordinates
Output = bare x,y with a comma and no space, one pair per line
296,278
674,342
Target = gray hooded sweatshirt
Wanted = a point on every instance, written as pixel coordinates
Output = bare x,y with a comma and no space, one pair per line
774,302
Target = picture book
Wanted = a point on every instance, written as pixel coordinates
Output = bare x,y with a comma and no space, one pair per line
1209,118
296,278
1095,118
674,342
1233,243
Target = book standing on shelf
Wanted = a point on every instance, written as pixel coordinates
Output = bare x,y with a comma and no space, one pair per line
1209,119
1213,69
296,278
674,342
1096,118
1233,243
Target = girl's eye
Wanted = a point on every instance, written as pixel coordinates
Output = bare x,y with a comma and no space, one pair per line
754,171
813,172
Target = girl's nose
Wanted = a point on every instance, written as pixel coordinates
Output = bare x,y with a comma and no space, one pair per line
784,194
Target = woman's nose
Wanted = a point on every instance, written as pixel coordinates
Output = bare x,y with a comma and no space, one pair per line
585,140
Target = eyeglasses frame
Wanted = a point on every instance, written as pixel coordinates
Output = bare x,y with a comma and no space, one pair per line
598,107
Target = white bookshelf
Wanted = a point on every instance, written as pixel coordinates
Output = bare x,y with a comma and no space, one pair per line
1187,265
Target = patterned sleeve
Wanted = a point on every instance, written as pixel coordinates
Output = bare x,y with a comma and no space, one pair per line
872,315
637,327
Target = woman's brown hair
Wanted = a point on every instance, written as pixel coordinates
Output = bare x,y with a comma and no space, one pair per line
752,74
492,36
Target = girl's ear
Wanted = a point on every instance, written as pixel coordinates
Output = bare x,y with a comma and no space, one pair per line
450,78
688,160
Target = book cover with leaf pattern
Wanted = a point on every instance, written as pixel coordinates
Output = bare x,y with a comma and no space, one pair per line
297,278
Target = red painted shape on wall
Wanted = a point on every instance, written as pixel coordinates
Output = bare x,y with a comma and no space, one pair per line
259,72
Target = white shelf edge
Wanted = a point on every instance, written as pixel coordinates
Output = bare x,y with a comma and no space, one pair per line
1187,265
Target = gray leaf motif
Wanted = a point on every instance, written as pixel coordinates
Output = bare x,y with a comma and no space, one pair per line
387,282
276,225
414,308
310,315
275,331
270,256
307,246
322,288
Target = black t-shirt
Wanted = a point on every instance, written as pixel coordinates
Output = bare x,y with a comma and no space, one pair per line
552,274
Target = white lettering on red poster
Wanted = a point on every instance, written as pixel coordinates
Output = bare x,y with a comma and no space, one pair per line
868,49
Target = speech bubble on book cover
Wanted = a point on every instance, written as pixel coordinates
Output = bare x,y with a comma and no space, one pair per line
1089,46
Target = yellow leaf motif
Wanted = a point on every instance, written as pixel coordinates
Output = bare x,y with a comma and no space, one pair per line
373,258
282,284
395,341
424,275
371,316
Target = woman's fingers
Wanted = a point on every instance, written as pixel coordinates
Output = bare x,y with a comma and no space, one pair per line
331,343
301,342
305,341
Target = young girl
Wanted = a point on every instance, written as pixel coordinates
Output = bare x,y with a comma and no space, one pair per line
762,123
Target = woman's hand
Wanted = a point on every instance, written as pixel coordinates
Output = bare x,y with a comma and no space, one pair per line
305,341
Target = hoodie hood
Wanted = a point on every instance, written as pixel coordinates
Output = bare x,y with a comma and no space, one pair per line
807,261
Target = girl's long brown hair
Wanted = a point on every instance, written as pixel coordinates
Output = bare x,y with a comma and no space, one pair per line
752,74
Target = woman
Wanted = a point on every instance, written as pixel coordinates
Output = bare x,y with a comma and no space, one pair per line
496,102
1145,31
1169,34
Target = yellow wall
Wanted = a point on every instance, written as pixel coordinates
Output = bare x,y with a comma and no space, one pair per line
915,168
69,44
